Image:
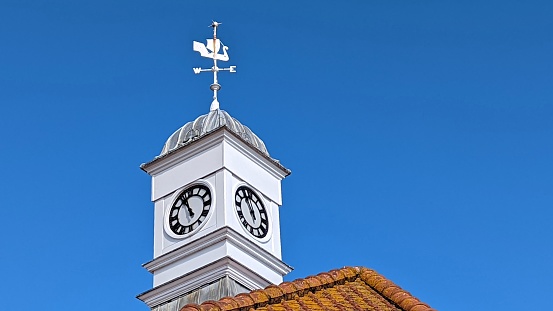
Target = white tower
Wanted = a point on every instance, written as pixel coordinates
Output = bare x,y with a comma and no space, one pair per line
216,194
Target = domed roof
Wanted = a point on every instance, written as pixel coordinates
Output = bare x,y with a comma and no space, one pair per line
207,123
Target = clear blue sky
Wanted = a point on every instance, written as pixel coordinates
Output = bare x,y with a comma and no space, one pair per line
419,134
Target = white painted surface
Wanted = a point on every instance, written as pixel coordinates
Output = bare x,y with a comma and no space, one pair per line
199,165
241,165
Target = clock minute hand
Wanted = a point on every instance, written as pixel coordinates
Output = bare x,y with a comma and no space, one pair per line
190,212
252,213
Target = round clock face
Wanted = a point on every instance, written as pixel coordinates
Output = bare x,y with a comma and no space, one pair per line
189,210
251,212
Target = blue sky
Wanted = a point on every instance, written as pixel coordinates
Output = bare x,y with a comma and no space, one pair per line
419,134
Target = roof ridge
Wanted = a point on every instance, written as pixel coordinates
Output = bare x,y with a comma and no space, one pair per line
273,294
393,292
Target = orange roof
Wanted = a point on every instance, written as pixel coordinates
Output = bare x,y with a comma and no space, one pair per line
349,288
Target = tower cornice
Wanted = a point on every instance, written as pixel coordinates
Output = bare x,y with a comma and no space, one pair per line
220,235
164,162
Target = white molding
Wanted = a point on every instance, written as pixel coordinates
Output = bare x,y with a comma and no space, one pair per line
217,236
196,279
166,162
161,164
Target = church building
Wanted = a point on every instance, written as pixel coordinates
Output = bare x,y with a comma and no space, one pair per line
217,194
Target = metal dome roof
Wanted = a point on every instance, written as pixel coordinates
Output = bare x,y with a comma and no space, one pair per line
207,123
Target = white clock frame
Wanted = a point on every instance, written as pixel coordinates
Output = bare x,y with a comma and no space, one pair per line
174,197
261,197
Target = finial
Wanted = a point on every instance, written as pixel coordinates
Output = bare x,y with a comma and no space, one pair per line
213,45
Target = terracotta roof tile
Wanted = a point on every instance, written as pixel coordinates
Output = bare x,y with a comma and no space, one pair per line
244,300
229,303
349,288
289,290
260,297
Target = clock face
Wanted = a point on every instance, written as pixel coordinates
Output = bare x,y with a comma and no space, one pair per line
189,210
251,212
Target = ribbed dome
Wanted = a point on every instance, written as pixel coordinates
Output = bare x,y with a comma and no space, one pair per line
207,123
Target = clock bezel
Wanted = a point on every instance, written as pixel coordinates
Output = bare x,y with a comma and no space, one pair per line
176,194
264,201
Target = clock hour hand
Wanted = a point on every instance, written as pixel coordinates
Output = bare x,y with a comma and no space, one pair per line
190,212
252,213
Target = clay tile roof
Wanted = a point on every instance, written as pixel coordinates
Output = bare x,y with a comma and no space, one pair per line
349,288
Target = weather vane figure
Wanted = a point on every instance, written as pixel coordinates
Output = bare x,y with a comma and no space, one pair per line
211,50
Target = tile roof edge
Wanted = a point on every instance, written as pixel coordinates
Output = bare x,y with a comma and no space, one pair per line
391,291
273,294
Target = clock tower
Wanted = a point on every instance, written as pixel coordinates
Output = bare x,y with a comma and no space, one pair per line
216,193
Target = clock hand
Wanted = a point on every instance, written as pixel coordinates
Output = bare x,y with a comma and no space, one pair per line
190,212
251,208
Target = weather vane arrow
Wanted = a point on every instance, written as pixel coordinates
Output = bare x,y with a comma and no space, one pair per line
211,50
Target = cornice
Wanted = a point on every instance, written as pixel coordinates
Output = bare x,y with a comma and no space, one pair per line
220,235
162,163
198,278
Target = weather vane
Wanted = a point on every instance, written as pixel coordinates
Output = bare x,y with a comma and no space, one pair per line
213,45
